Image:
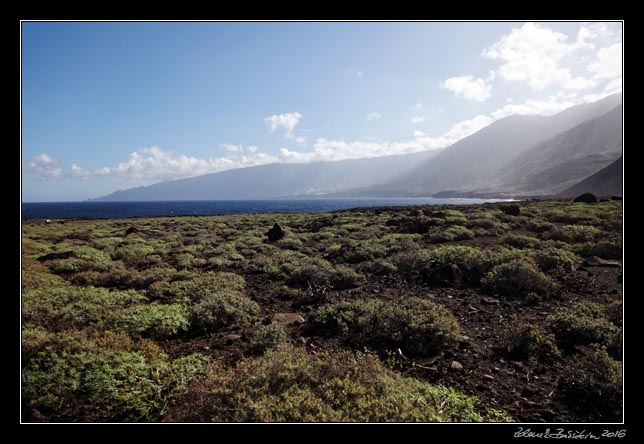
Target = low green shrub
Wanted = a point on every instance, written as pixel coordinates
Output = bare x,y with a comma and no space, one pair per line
156,321
417,326
223,309
453,233
60,308
527,341
381,267
551,258
362,252
398,242
518,278
290,243
604,250
592,381
523,242
586,323
270,336
192,288
575,233
320,273
289,385
103,385
539,226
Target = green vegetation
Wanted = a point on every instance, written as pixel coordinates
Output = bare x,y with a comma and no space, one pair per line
105,378
592,380
223,309
519,278
320,273
289,385
527,341
270,336
588,323
154,320
202,318
417,326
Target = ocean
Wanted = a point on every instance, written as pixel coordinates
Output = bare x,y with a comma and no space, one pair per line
122,210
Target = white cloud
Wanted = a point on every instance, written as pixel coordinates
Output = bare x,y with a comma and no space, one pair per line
372,116
614,85
300,140
419,133
149,165
534,54
417,119
46,166
325,149
417,107
468,87
585,33
232,149
608,64
286,122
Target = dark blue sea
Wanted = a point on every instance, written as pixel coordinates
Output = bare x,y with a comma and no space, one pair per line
122,210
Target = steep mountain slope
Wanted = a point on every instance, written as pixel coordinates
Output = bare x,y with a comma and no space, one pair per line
278,180
566,158
473,163
606,182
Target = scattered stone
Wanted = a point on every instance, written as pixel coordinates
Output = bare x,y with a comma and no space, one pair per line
518,365
489,301
232,338
511,210
130,231
455,365
276,233
48,221
488,377
288,318
595,261
496,370
586,198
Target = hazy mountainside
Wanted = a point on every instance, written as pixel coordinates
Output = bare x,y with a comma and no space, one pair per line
278,180
476,162
517,155
605,182
566,158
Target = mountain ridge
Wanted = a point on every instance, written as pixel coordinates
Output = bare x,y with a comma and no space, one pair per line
519,155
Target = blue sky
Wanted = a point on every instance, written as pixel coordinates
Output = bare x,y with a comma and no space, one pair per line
108,106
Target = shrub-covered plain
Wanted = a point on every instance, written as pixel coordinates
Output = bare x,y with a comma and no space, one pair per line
428,313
